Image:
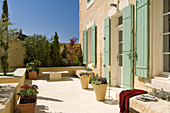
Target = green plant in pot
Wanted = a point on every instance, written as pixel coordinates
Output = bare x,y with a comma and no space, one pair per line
100,87
32,69
93,78
28,98
84,79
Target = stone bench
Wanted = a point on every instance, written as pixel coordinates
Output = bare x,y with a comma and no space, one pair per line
55,75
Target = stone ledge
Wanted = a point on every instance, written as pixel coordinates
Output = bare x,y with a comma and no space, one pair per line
150,107
7,93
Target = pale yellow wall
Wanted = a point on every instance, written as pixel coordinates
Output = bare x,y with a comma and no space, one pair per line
99,11
16,55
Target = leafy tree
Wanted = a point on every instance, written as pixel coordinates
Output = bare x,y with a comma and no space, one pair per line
73,50
55,51
36,48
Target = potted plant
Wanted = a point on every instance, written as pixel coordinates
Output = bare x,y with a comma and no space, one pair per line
32,69
100,87
84,79
28,98
93,78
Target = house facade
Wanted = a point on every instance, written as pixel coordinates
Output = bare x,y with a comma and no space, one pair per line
127,40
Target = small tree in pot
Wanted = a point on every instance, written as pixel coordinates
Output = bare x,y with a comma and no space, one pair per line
84,79
28,98
32,69
100,87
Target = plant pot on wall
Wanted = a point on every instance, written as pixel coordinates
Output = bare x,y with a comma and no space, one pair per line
32,75
84,81
28,98
27,108
100,91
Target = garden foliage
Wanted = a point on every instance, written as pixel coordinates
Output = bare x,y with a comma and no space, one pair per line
36,48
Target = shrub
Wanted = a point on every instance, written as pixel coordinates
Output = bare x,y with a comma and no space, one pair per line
33,66
55,51
36,48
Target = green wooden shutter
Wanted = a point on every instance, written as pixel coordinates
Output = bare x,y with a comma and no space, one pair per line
93,45
142,38
106,47
85,47
127,47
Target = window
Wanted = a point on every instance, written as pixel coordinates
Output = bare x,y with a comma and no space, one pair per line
120,40
166,36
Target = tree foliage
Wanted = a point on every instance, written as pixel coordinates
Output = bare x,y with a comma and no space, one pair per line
55,51
37,48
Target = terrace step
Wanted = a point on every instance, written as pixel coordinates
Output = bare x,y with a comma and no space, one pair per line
160,82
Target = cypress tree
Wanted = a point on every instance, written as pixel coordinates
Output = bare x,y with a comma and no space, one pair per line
5,9
5,37
55,51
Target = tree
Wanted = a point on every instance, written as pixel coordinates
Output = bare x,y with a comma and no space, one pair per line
55,51
36,48
6,36
5,9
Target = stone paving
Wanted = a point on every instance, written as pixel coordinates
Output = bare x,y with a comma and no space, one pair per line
66,96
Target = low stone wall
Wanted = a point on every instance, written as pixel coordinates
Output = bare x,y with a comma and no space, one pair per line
18,77
71,70
8,97
161,106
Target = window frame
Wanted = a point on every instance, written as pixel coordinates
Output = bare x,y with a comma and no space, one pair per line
164,34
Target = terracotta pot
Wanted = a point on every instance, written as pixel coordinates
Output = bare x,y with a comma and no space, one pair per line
32,75
100,91
27,108
84,81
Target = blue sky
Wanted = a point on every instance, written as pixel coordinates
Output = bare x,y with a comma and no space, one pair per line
45,17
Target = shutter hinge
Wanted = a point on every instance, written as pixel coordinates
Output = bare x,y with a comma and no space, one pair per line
131,70
132,31
104,38
149,3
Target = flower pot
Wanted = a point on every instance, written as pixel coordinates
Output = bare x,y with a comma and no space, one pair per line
100,91
27,108
84,81
32,75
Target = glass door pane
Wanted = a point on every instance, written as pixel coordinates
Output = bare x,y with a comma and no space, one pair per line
166,62
166,6
166,23
166,43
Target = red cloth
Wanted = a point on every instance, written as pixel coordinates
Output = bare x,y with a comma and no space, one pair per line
125,96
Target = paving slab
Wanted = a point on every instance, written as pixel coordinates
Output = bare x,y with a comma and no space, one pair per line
67,97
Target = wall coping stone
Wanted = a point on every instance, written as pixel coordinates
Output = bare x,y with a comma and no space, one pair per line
8,90
19,72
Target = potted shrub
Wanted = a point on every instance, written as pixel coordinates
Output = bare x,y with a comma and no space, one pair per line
84,79
28,98
100,87
93,78
32,69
